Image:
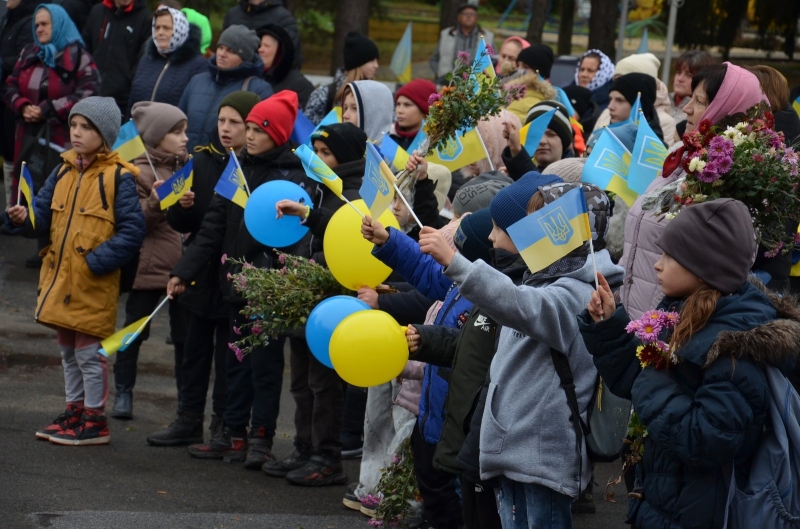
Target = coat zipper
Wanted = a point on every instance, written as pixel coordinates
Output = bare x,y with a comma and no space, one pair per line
158,81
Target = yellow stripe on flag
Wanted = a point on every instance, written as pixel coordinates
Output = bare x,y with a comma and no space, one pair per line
112,344
543,253
620,187
459,152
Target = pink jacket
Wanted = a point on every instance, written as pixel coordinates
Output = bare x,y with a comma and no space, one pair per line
413,373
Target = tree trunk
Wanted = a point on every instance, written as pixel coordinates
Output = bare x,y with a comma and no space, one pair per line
352,15
538,18
603,25
448,16
565,27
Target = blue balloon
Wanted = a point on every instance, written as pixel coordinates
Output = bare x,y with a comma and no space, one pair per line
259,214
324,319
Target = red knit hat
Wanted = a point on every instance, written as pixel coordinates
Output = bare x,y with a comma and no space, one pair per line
276,115
418,91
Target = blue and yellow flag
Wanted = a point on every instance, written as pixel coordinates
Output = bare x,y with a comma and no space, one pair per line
647,158
547,235
458,152
129,144
303,128
377,188
636,109
119,340
231,183
394,154
26,188
607,167
401,60
176,186
531,134
318,171
796,105
483,61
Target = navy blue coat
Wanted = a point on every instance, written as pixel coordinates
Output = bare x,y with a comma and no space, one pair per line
702,414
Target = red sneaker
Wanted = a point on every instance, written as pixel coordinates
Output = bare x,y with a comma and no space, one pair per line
92,430
69,419
227,448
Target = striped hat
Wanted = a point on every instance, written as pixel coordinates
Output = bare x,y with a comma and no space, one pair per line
559,124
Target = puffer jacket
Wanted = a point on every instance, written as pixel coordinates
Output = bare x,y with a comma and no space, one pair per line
162,246
95,228
320,102
536,91
163,78
402,254
285,75
206,90
705,413
267,12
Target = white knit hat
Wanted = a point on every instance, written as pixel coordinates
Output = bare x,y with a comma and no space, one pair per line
646,63
568,169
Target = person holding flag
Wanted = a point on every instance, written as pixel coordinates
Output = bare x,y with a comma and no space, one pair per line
163,130
369,106
553,144
625,91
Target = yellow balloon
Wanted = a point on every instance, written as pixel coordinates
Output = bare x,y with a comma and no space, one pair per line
348,254
368,348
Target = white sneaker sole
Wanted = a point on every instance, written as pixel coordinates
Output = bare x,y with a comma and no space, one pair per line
81,442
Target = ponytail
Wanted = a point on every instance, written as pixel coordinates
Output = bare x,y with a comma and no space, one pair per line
696,311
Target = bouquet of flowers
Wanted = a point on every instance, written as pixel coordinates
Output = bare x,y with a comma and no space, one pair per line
279,300
396,490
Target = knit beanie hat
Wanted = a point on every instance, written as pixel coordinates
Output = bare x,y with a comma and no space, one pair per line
442,177
472,236
511,203
646,63
568,169
154,120
559,123
347,142
597,203
241,101
476,196
201,21
721,228
538,57
276,116
358,50
630,85
580,97
103,113
418,91
241,40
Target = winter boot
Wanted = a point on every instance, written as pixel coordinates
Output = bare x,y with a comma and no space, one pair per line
187,429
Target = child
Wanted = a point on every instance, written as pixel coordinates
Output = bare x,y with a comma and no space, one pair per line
163,130
527,439
79,280
369,106
410,109
706,410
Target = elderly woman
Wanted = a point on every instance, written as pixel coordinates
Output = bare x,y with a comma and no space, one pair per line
595,71
171,58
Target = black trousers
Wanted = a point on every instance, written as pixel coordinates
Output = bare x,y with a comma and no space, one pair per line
479,506
437,488
206,341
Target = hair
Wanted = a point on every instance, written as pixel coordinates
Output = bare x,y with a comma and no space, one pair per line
593,56
535,203
712,78
350,76
178,127
774,85
694,61
696,311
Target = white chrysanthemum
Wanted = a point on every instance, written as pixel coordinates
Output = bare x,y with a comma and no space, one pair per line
696,164
741,125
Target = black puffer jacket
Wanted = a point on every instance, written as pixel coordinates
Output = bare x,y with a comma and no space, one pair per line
78,10
284,75
267,12
15,28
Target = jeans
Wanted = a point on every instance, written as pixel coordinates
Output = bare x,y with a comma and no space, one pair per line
437,487
529,506
206,341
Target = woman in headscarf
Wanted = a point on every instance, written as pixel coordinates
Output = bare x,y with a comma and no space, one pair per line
595,71
171,58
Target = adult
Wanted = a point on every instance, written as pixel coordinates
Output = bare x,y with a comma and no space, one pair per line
201,21
595,71
171,57
776,89
235,66
114,34
277,52
717,91
535,63
556,143
360,64
256,13
509,51
688,64
463,37
78,10
623,95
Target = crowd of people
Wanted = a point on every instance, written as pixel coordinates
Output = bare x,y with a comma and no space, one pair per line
492,437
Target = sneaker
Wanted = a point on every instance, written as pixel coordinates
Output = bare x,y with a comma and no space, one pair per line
350,499
123,406
279,469
321,470
259,449
92,430
585,502
368,511
187,429
69,419
352,447
227,448
217,428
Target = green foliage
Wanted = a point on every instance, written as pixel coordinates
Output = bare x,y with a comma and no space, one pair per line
397,489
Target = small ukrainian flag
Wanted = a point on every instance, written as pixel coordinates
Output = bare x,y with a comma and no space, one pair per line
303,128
647,159
483,61
401,60
171,191
318,171
608,165
458,152
129,144
394,154
377,188
119,340
26,188
531,134
231,183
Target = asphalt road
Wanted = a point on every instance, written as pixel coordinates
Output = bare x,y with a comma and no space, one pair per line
128,484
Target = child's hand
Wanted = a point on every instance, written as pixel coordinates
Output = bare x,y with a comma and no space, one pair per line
602,304
369,296
175,287
156,185
433,243
187,200
373,231
413,339
414,161
511,134
18,215
290,207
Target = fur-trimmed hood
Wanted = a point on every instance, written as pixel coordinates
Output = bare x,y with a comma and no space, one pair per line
185,52
531,81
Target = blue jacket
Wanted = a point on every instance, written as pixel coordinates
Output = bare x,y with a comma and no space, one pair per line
206,90
703,414
402,254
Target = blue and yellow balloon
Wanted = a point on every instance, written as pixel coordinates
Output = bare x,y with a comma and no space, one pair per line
324,319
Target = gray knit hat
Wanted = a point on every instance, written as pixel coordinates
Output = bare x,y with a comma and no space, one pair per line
103,113
242,41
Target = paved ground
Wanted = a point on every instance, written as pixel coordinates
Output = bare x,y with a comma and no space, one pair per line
129,485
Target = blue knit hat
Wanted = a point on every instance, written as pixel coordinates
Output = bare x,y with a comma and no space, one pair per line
511,203
64,33
472,236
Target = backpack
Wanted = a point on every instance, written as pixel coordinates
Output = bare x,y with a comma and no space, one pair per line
770,498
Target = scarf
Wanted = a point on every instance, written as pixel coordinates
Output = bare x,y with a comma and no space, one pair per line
64,34
180,29
604,73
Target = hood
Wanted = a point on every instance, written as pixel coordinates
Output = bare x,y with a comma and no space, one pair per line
184,52
110,158
663,101
586,273
532,81
136,5
247,7
351,173
284,60
254,68
375,108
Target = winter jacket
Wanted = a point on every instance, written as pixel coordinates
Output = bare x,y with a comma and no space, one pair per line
74,78
223,231
161,249
116,38
452,41
267,12
677,108
320,102
408,306
402,254
705,413
788,122
163,78
206,90
411,389
15,28
285,75
95,228
601,95
78,10
202,296
526,434
536,91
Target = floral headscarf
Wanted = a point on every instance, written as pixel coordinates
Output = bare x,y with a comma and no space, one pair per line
604,73
180,29
64,33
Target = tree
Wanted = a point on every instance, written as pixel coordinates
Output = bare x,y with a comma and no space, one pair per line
565,27
603,25
448,16
351,15
538,19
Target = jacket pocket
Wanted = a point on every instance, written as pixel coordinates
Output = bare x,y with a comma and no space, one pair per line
94,291
492,439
